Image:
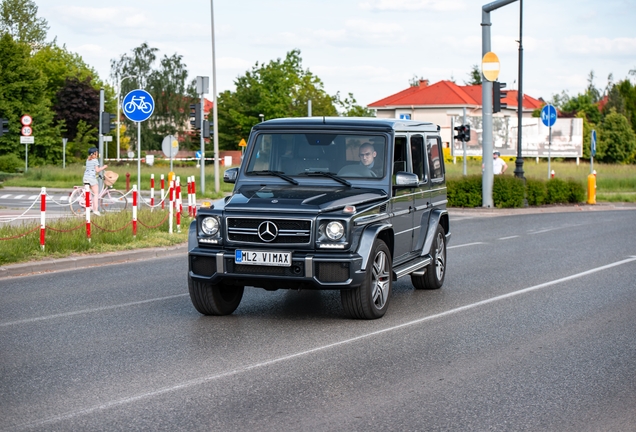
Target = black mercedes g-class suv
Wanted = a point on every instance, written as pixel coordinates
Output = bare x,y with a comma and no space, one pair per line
351,204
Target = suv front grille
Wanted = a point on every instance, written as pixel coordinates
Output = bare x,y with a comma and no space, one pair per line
290,231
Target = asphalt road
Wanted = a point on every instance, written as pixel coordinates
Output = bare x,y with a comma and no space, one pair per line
534,330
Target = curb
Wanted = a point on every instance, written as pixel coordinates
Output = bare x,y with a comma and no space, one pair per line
73,263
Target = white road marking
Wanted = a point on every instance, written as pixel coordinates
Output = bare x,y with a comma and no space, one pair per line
5,196
18,197
508,238
33,197
464,245
237,371
85,311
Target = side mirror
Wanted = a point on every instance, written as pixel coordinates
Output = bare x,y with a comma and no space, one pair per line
405,179
230,175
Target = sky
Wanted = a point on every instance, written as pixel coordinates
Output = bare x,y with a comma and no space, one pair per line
371,48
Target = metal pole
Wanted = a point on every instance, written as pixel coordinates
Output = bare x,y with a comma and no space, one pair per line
487,178
549,149
217,183
118,116
464,146
26,157
486,95
139,156
64,141
309,108
202,143
101,137
519,161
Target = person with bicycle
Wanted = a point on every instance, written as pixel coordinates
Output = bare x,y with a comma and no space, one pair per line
90,175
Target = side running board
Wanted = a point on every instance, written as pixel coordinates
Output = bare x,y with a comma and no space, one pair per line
411,266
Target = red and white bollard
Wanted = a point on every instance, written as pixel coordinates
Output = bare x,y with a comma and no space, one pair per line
170,207
134,210
163,200
42,217
178,204
87,195
152,192
194,197
189,197
552,174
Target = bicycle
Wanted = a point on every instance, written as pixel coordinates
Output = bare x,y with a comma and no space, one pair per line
109,199
138,103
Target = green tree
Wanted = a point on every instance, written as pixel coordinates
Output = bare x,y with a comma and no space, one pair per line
350,108
167,84
474,76
19,19
617,140
587,133
23,91
628,93
280,88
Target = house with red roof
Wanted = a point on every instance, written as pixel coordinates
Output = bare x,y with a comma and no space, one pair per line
438,102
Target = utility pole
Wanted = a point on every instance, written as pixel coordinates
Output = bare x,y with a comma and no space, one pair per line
203,87
101,137
486,96
519,160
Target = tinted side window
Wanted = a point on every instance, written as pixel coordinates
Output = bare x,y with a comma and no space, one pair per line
417,153
435,159
399,155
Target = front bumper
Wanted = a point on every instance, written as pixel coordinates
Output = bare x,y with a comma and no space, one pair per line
307,271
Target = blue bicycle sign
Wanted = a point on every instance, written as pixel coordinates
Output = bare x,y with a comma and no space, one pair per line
138,105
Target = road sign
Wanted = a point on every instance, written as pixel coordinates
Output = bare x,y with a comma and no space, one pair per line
27,131
170,146
138,105
197,155
548,115
27,140
242,143
26,120
490,66
593,144
108,138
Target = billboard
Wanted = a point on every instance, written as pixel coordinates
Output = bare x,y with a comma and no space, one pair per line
567,137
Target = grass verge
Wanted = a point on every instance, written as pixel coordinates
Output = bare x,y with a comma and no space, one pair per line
109,233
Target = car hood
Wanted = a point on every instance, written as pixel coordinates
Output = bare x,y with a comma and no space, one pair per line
299,199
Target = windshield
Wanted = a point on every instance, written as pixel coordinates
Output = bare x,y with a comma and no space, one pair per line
300,154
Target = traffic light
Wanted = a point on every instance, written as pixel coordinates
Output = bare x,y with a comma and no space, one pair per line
206,129
497,96
466,132
460,132
195,116
4,126
107,122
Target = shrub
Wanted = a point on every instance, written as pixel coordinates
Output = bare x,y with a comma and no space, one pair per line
536,192
577,192
464,192
558,191
507,191
10,163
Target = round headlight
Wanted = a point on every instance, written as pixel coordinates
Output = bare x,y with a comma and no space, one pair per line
210,225
334,230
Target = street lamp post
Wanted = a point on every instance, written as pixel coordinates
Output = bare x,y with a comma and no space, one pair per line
119,108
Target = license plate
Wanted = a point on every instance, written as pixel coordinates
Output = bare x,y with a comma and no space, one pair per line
264,258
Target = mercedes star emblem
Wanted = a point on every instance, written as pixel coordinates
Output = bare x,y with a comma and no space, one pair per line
267,231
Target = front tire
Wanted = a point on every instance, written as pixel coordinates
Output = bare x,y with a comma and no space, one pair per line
214,299
371,299
77,201
433,277
113,201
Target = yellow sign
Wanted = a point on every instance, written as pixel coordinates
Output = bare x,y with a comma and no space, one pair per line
490,66
242,143
171,176
175,143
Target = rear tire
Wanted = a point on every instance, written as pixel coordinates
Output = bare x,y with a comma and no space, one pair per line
77,201
214,299
435,273
371,299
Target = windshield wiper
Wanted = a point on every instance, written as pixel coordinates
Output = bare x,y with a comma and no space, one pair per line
328,174
275,173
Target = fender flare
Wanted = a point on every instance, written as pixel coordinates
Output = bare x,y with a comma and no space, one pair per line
438,217
367,239
192,236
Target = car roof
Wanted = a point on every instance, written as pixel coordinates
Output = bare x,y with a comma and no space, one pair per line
349,123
